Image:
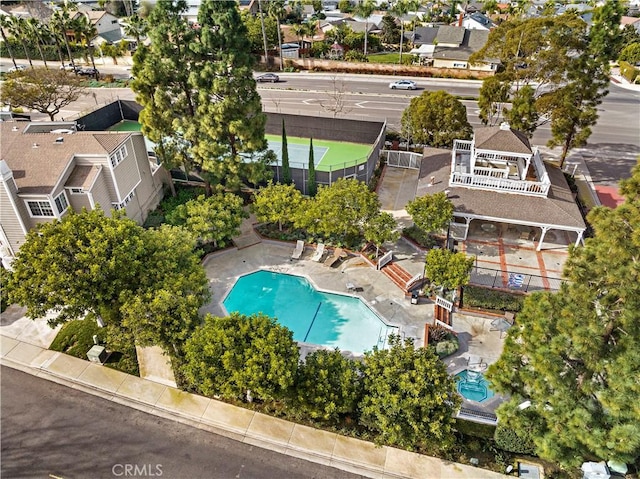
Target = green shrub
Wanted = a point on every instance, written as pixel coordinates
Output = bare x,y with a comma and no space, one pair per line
474,429
445,348
355,56
508,440
483,298
628,71
420,237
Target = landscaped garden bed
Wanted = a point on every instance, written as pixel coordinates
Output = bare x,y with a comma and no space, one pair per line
75,338
491,300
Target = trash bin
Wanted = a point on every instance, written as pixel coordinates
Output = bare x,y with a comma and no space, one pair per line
415,296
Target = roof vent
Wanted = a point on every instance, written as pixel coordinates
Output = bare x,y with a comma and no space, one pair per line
59,140
35,145
15,128
505,126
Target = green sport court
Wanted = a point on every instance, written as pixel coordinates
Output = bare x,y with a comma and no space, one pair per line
327,155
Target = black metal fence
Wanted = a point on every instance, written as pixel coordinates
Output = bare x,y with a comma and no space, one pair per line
515,281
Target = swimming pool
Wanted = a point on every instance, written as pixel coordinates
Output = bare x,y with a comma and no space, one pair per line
473,386
317,317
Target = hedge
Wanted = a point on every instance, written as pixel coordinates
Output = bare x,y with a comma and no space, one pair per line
628,71
483,298
508,440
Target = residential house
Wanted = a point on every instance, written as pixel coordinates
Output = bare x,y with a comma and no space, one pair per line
477,21
499,180
48,167
106,25
38,10
633,21
447,46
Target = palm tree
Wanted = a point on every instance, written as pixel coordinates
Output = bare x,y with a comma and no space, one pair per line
364,9
85,31
49,33
18,28
276,10
60,22
5,23
136,27
299,31
400,9
264,34
33,27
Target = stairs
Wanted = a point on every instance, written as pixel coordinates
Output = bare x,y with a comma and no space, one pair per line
398,275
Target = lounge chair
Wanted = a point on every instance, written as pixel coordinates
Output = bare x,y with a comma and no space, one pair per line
297,253
338,254
317,256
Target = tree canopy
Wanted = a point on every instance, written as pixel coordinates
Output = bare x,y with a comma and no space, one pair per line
134,279
344,208
328,385
199,98
447,269
431,212
216,218
233,355
562,64
409,398
436,118
43,90
381,229
573,354
277,204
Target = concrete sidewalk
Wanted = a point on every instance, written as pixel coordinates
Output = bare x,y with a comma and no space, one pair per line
241,424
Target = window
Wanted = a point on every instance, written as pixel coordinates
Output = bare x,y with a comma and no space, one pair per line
459,65
61,203
127,200
40,208
118,155
76,191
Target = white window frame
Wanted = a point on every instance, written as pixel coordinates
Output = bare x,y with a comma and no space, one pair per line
40,204
76,191
117,156
64,203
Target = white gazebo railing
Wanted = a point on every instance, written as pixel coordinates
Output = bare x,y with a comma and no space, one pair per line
532,188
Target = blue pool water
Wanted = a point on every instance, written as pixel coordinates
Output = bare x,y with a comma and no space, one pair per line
326,319
473,386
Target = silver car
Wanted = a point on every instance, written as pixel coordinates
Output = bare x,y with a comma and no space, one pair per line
403,85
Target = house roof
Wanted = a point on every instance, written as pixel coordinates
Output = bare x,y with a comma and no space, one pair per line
449,34
501,138
482,20
82,177
39,10
557,209
111,36
36,169
425,35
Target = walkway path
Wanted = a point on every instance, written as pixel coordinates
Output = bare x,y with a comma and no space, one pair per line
241,424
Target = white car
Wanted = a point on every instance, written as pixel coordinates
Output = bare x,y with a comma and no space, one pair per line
403,85
17,68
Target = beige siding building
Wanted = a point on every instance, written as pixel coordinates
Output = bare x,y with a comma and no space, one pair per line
48,167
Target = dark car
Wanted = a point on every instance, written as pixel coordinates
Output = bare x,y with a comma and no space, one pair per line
268,77
88,71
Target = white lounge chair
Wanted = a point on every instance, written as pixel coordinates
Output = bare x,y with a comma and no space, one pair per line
297,253
317,256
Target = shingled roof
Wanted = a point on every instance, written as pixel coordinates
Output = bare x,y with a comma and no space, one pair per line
38,161
558,209
501,138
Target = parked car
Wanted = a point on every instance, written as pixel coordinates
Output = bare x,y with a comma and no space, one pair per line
88,71
69,67
403,85
268,77
17,68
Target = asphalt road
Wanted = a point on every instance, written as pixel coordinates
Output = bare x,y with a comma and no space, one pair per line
52,431
612,148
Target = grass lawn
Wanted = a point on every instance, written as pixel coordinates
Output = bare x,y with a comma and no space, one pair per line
76,339
384,57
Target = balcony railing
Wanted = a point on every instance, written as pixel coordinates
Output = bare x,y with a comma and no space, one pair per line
532,188
491,172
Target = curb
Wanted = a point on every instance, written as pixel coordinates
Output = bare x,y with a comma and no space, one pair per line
342,452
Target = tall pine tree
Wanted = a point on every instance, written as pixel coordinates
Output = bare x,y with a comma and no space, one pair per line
199,96
312,187
286,171
571,362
